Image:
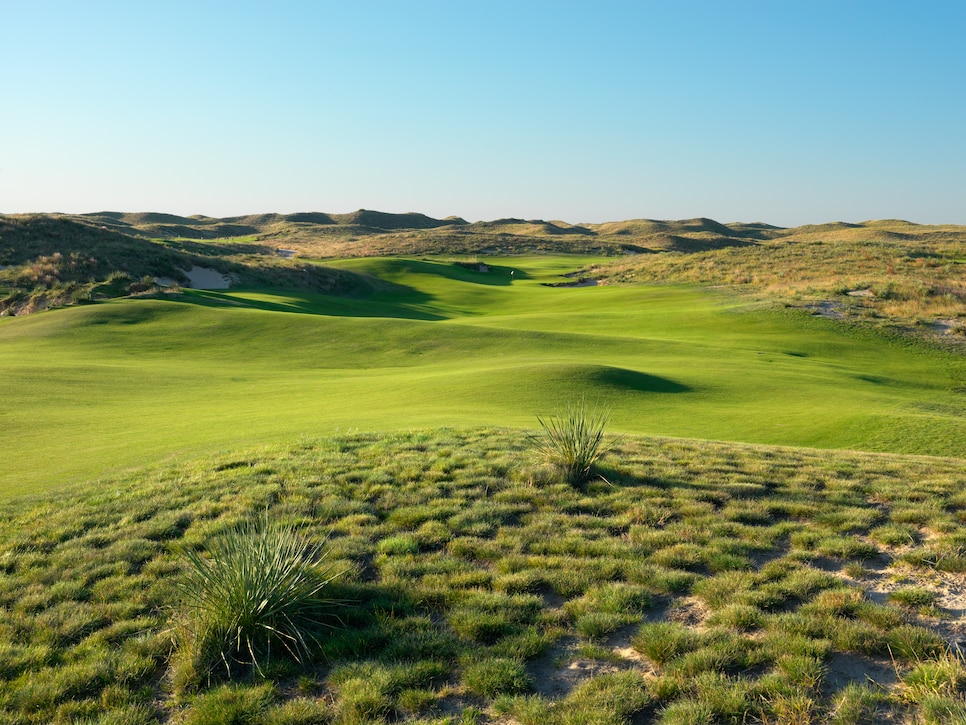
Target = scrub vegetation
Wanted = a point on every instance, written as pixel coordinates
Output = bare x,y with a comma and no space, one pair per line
703,582
891,274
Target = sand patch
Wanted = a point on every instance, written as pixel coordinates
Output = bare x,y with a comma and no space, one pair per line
832,310
689,611
848,668
582,282
557,673
949,590
204,278
944,325
861,293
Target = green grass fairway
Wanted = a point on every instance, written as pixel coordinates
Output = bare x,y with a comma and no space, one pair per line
90,389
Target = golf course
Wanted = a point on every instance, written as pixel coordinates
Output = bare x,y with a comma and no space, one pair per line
773,531
93,389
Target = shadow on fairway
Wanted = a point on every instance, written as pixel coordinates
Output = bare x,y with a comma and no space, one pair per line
299,302
633,380
473,272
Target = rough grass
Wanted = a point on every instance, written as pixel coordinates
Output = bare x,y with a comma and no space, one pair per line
699,583
889,274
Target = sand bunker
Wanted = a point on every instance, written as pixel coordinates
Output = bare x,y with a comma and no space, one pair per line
949,325
582,282
828,309
285,253
204,278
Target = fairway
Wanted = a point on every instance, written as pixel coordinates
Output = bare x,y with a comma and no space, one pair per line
91,389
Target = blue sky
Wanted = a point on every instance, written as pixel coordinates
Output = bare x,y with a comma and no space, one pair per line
787,112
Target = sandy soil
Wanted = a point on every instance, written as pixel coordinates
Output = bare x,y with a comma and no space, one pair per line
828,309
204,278
577,283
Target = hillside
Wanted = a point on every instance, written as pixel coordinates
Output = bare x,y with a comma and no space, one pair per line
702,583
52,261
891,271
906,277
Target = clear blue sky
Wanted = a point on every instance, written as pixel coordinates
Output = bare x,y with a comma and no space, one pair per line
782,111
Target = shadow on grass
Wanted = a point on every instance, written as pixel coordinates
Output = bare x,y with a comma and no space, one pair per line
382,623
217,248
362,299
635,381
299,302
473,272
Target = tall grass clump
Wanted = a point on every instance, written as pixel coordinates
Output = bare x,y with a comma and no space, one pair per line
256,594
572,441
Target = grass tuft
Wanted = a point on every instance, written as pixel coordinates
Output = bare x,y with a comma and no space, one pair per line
497,676
663,641
572,441
230,704
256,595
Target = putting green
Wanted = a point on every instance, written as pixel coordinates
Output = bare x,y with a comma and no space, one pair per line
88,390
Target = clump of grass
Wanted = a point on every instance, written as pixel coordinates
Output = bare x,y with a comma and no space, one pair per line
687,712
609,698
604,609
371,691
939,710
486,617
743,617
497,676
572,441
895,534
230,704
527,709
915,598
942,677
916,643
663,641
792,709
856,703
257,594
802,670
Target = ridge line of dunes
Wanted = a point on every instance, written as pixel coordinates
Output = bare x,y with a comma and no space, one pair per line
665,234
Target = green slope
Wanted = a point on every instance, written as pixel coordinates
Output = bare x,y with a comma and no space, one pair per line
94,388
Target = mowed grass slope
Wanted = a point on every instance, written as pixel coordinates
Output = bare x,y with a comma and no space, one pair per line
95,388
